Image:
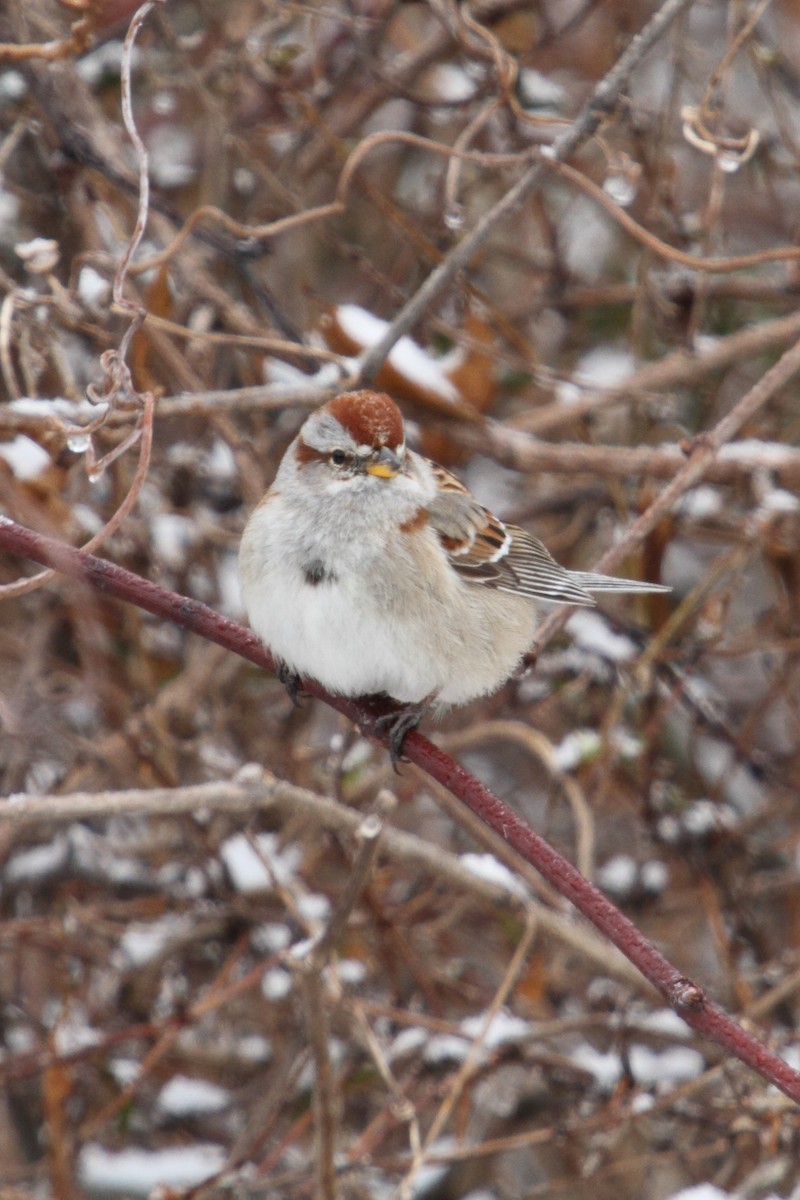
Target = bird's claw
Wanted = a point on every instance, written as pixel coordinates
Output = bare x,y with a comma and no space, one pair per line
291,681
395,726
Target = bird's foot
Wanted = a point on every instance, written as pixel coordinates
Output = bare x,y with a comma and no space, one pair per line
291,681
395,726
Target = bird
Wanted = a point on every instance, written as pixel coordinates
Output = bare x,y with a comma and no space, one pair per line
371,569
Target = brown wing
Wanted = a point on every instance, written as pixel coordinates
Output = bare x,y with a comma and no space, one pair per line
486,551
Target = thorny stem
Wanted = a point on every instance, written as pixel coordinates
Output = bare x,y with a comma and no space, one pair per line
686,997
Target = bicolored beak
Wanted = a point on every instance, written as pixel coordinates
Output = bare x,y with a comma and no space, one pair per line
384,463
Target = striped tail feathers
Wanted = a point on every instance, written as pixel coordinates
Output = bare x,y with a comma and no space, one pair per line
590,581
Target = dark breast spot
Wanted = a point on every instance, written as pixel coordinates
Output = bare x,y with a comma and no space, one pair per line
315,572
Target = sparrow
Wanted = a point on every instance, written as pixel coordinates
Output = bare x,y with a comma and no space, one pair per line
373,570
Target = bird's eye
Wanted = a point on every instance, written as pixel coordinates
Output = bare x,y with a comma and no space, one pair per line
339,457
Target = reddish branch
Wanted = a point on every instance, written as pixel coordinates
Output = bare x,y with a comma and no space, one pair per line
682,994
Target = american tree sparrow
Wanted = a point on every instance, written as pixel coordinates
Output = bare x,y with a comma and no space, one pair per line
371,569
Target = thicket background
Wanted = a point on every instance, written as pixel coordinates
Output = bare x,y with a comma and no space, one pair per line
156,1026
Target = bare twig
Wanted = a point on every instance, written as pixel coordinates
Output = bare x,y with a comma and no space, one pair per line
704,448
254,790
312,965
79,38
602,100
682,368
694,262
326,1105
468,1068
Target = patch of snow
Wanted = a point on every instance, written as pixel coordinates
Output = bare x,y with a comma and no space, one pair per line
577,748
254,1048
20,1039
39,255
489,868
134,1172
700,503
666,1021
57,406
245,181
220,460
314,907
592,633
445,1047
276,984
618,876
98,857
38,862
172,536
271,937
604,1066
352,971
93,289
25,457
125,1071
430,1174
503,1029
704,817
72,1032
768,454
604,367
183,1096
104,61
663,1069
589,238
654,876
414,364
778,500
12,86
218,758
449,83
408,1041
140,944
165,103
702,1191
173,156
539,91
247,868
357,756
627,745
43,775
304,948
9,204
567,393
292,383
717,762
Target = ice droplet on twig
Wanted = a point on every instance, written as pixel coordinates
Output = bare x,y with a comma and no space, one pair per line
622,181
729,163
621,187
79,443
454,217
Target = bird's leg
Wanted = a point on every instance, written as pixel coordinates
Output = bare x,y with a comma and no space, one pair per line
291,681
